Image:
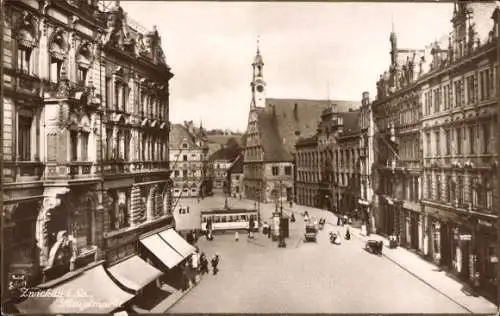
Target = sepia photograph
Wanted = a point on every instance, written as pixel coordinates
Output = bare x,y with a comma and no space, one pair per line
249,157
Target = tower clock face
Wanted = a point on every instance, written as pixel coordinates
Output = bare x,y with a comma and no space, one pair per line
260,88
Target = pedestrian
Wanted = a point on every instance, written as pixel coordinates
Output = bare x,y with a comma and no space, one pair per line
195,260
215,263
186,280
203,263
292,218
347,234
236,236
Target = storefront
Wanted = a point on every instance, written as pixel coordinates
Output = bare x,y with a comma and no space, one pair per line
91,292
487,254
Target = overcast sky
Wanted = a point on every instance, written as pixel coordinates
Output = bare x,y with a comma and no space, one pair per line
310,50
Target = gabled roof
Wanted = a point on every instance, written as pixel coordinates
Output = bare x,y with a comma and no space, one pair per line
222,139
270,138
178,135
237,164
300,117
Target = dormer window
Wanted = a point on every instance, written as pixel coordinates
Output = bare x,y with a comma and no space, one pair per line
184,145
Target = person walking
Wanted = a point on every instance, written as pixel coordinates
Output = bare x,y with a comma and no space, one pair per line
203,264
195,263
236,236
215,263
292,218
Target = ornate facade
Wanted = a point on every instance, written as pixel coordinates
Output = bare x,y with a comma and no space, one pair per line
435,167
459,105
85,136
274,127
338,148
188,156
397,163
307,172
366,200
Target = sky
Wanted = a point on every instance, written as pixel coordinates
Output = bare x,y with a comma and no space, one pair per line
311,50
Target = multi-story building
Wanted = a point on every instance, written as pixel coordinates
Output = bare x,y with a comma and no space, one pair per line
397,164
459,101
236,176
366,160
307,173
85,138
274,126
188,150
338,156
219,164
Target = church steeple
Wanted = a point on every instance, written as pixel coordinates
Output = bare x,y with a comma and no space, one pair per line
394,44
258,85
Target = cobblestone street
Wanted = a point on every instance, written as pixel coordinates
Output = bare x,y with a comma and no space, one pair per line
257,276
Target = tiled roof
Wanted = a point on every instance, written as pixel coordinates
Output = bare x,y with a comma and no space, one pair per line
351,123
237,165
300,117
225,154
222,139
270,138
178,135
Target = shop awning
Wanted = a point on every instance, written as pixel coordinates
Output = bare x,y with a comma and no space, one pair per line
92,292
162,250
177,242
134,273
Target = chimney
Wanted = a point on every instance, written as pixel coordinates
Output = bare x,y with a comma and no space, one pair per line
295,111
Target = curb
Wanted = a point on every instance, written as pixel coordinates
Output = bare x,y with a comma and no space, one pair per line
178,299
360,237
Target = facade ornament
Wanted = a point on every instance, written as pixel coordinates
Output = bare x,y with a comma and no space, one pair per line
27,33
41,232
58,46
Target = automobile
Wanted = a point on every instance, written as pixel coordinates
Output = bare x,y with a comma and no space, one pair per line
311,232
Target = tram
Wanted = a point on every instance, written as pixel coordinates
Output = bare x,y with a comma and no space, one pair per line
229,219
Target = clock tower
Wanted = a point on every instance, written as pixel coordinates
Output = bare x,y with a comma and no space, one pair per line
258,85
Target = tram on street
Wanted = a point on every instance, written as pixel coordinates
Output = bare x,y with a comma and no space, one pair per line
228,219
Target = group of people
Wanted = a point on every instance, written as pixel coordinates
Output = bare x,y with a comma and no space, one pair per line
197,265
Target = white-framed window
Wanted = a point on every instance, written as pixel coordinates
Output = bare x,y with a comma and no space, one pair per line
73,140
85,146
23,59
55,69
24,137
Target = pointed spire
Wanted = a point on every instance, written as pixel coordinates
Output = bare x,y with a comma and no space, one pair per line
258,58
258,42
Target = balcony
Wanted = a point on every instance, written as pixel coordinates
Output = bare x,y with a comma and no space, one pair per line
28,84
82,170
24,171
113,167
